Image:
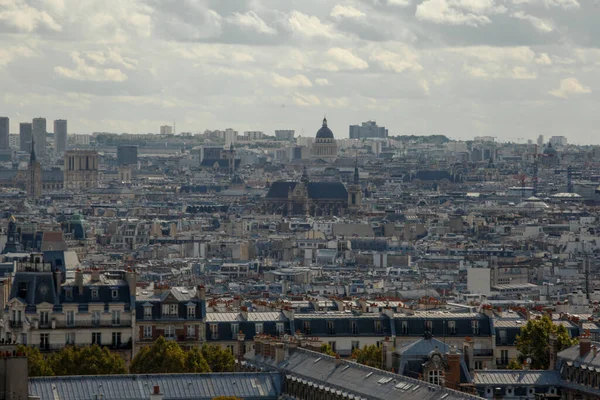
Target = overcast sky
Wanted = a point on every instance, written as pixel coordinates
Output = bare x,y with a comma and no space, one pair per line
506,68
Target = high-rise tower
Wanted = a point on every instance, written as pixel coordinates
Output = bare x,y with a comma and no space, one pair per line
39,134
60,136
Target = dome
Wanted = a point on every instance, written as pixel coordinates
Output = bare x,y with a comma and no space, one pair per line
325,132
550,151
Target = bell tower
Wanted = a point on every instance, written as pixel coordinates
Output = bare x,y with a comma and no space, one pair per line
354,190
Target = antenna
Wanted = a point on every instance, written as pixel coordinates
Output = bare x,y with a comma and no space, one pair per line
174,129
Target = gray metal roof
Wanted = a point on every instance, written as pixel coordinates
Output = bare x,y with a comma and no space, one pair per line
172,386
517,378
356,379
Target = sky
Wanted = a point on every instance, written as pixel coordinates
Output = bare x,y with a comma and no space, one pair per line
513,69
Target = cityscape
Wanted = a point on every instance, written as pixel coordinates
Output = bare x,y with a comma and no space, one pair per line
268,200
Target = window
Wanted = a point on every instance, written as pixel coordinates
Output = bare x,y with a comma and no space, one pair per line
330,327
429,326
479,365
258,328
116,339
355,345
44,341
115,294
503,357
434,377
44,320
280,328
97,338
165,309
170,332
191,311
475,325
71,318
70,338
94,293
96,318
378,328
353,328
147,331
235,329
502,335
405,327
306,327
116,317
148,312
214,331
173,308
191,331
69,293
452,327
332,345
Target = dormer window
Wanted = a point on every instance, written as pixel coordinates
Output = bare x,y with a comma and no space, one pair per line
114,294
148,312
69,293
191,311
94,293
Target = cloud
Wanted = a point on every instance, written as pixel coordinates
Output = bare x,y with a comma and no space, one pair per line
344,59
251,21
567,4
22,18
406,60
306,100
570,86
308,25
340,11
294,81
538,23
543,59
12,53
458,12
322,82
83,71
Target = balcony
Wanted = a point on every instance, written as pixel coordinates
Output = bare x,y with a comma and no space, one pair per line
16,324
90,324
500,362
483,352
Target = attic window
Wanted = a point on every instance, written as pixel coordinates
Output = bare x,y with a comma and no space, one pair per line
369,375
94,293
114,293
69,293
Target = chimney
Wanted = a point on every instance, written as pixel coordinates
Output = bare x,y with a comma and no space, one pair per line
468,353
201,293
585,344
95,275
156,394
57,280
280,351
241,345
552,350
386,352
79,280
453,369
244,312
288,312
131,279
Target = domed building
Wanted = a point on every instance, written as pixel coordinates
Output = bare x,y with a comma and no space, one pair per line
550,156
325,146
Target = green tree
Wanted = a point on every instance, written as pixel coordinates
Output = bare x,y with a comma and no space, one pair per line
369,355
326,349
162,357
195,361
532,341
514,364
219,359
87,360
37,364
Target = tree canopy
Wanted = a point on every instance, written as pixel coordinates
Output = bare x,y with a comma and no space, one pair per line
87,360
532,341
326,349
369,355
219,359
161,358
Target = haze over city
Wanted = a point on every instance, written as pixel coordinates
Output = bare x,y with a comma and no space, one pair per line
504,68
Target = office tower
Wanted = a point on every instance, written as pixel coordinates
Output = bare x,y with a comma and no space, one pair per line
25,132
540,140
127,155
25,135
60,136
39,136
4,132
166,130
368,129
81,169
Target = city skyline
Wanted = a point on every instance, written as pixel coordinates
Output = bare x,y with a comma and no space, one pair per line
510,69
